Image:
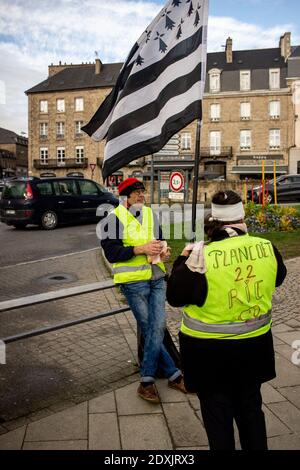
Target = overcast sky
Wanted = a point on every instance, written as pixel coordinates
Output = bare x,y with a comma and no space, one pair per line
35,33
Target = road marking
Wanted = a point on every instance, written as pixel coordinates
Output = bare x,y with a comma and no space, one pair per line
48,259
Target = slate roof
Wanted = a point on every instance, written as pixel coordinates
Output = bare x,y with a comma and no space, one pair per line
83,76
247,60
79,77
7,137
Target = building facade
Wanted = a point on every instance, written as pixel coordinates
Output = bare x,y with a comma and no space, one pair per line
13,154
250,113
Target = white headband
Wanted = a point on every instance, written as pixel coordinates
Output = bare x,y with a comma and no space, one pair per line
228,213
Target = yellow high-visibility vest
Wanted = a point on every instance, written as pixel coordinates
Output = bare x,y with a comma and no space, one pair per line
135,234
241,277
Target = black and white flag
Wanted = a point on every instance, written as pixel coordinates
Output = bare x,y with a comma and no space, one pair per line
159,89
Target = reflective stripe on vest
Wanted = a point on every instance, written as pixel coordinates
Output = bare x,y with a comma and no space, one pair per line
130,269
235,328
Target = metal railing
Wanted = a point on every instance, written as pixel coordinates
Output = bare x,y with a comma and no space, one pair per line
50,296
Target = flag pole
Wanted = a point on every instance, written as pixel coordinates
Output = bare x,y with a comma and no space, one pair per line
196,176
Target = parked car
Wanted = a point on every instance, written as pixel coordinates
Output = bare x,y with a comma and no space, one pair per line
51,201
288,189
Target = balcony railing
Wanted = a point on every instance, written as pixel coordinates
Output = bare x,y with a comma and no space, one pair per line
216,152
67,163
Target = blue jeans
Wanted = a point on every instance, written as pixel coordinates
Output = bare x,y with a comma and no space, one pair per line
147,302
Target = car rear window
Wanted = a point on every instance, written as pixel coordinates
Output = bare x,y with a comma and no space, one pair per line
14,190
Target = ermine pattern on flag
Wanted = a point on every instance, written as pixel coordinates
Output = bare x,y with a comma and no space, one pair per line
160,86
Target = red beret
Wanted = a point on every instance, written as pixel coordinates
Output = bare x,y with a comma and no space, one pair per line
129,185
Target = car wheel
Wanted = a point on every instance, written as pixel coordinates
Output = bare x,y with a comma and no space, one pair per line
49,220
269,198
19,225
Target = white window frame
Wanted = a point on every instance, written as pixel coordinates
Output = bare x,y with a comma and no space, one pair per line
60,129
214,81
44,106
274,114
78,107
274,139
44,155
274,84
43,129
215,112
245,80
78,125
61,155
60,105
245,139
186,140
245,111
215,142
79,154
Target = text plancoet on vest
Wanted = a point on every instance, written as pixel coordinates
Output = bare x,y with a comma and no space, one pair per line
237,255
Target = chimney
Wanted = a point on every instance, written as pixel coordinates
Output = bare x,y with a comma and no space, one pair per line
98,65
228,51
285,45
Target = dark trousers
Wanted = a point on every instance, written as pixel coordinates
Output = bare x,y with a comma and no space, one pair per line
240,403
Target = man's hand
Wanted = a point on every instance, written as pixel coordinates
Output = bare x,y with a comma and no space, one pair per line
151,248
165,255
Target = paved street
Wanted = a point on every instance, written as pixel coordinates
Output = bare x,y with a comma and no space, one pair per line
86,375
33,243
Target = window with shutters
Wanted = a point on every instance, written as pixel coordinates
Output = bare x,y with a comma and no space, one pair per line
245,140
60,105
186,141
274,139
274,109
245,111
215,112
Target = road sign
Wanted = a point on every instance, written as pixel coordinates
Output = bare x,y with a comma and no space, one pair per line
92,166
176,181
176,196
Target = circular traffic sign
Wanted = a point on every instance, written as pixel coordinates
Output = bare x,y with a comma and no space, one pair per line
176,181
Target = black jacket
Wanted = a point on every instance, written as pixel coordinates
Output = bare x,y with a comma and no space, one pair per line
216,363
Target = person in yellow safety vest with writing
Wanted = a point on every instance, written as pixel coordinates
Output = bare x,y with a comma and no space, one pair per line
132,242
226,345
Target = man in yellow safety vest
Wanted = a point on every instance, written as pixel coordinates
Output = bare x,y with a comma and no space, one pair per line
132,242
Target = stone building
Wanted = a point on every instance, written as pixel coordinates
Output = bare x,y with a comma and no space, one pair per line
250,113
13,154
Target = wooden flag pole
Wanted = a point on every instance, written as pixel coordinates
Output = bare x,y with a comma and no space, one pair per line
195,182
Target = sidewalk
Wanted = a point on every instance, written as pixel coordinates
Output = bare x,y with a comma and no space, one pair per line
119,419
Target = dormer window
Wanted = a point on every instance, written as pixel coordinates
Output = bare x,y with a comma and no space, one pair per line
214,80
274,79
245,80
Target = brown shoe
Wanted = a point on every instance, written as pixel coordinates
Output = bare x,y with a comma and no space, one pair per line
178,386
148,393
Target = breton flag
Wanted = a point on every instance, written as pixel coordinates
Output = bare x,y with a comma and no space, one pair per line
159,89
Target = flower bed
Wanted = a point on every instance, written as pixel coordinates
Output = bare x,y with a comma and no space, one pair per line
271,218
